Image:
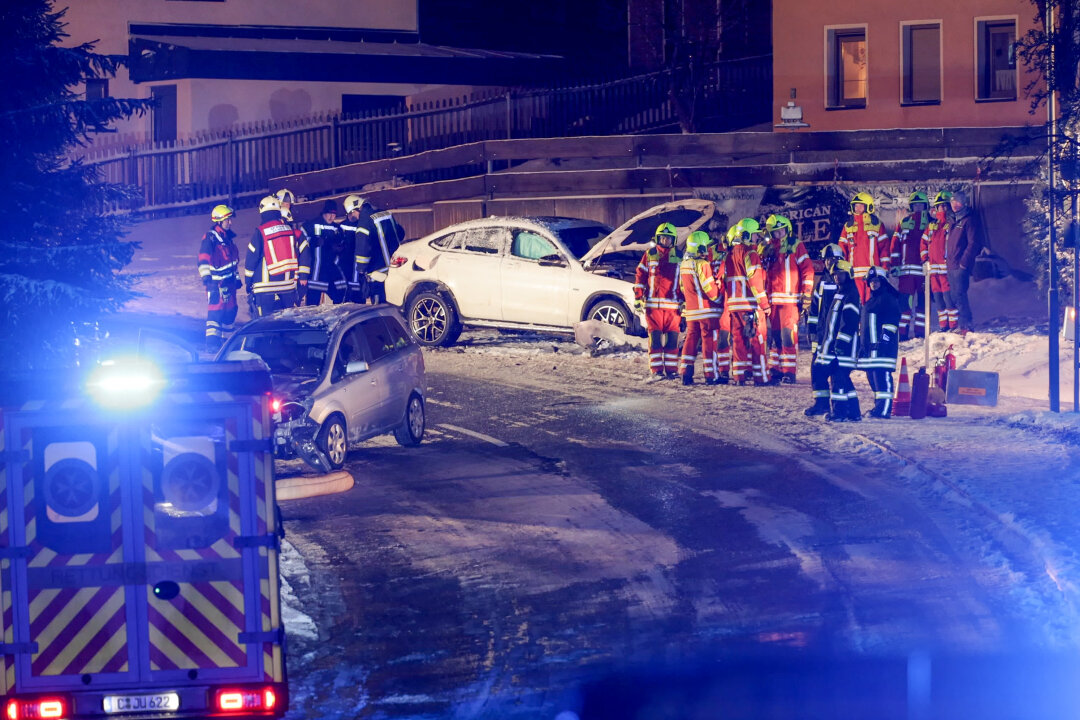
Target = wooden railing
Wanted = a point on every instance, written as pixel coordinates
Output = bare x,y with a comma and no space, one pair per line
236,165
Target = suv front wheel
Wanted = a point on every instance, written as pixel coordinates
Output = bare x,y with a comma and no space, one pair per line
611,312
334,442
433,319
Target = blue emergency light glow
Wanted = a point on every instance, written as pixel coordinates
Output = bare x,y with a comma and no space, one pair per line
125,384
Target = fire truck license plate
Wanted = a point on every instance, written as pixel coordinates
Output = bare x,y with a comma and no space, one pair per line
134,703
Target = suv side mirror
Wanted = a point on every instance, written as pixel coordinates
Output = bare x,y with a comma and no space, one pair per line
552,261
356,366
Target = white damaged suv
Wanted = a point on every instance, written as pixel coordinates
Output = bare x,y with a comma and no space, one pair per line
539,273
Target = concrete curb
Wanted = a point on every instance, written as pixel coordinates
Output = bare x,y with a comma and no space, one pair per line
305,486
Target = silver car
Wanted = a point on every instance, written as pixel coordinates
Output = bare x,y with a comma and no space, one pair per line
341,374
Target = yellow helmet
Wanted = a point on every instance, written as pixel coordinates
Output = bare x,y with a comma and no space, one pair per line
865,199
775,222
284,195
269,203
698,243
842,265
287,214
221,213
353,202
746,229
732,233
942,198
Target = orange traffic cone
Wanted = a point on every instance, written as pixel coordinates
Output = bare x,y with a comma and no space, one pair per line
902,402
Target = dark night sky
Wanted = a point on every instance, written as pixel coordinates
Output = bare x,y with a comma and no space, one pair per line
591,32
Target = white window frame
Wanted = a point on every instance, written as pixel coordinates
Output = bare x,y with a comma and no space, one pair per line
825,65
904,24
975,55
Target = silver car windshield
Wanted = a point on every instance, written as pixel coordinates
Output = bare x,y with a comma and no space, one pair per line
293,351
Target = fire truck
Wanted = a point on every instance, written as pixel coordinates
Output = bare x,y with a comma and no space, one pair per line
139,539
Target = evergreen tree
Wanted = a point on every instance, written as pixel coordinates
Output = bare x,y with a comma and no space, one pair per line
61,256
1061,77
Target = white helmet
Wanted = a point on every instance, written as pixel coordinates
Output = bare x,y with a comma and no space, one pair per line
284,195
269,203
353,202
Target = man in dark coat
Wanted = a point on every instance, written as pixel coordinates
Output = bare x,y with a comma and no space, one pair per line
963,245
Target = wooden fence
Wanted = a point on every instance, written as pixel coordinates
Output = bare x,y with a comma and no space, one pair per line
237,165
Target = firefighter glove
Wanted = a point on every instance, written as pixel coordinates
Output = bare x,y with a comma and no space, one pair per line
639,305
804,301
894,272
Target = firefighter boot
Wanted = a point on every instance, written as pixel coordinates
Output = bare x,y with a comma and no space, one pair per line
723,378
838,411
853,412
876,411
820,407
688,378
787,378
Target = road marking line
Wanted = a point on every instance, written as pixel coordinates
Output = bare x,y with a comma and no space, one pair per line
473,433
443,403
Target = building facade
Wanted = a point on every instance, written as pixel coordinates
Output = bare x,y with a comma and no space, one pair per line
215,64
915,64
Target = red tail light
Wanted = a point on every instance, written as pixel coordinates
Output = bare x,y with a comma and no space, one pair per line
398,260
44,708
241,700
275,405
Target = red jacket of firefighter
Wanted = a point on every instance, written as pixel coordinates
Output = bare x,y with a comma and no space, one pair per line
790,273
744,281
864,242
272,262
656,279
933,247
700,291
905,255
219,259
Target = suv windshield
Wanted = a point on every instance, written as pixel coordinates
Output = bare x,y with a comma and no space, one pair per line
578,240
295,351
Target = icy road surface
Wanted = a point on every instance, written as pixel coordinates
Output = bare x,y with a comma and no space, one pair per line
563,521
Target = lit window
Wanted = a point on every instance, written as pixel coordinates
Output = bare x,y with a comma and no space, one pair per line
847,67
996,59
922,64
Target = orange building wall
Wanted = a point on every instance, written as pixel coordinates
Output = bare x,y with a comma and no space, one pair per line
799,62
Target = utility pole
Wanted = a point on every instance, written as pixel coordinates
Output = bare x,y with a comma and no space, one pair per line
1052,294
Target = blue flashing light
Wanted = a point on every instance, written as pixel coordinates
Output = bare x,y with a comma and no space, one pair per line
125,384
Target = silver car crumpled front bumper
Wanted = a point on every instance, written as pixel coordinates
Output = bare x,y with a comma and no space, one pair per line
296,438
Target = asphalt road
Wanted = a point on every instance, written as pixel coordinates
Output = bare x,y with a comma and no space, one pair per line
540,546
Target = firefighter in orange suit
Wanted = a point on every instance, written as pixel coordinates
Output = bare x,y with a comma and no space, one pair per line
746,309
905,263
701,295
656,290
272,263
789,281
933,252
219,270
864,241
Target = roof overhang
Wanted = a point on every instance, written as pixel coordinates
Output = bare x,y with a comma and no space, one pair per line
155,57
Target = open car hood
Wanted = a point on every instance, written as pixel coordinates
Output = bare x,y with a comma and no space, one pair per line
636,233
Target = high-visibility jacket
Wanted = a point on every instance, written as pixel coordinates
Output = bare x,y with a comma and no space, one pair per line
933,246
879,329
657,278
744,281
865,243
840,340
219,259
789,272
699,289
322,237
904,253
363,239
272,263
820,300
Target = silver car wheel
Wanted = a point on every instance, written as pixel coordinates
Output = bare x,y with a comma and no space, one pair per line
336,446
607,312
428,320
416,417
